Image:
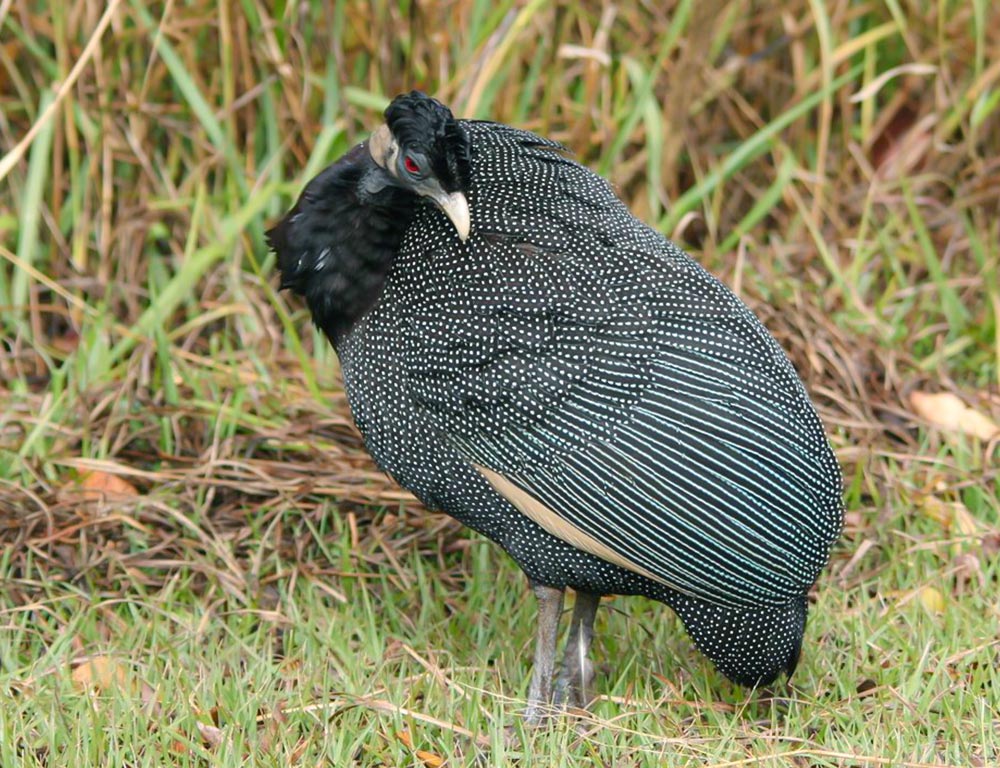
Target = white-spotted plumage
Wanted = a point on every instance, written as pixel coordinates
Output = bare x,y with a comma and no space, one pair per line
575,351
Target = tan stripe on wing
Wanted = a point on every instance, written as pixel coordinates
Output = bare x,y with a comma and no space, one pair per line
531,507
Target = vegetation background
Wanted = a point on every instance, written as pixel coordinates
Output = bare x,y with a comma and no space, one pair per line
199,565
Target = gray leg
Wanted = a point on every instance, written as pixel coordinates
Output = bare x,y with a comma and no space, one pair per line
550,604
577,669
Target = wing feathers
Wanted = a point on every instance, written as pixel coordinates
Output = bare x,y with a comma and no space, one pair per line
616,393
559,526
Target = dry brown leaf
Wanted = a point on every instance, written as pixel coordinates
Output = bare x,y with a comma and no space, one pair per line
66,343
101,673
300,748
948,412
866,686
102,486
404,737
968,573
210,735
430,759
106,673
178,747
991,545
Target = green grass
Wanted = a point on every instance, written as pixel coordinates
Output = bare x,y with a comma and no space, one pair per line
261,594
330,656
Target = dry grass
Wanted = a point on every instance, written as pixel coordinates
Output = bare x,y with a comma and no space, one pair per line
839,162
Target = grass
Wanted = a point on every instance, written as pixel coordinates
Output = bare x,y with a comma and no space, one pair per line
198,563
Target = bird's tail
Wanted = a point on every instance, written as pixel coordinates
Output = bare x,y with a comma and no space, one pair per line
750,646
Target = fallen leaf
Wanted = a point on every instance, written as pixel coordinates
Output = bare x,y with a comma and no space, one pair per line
430,759
969,574
937,510
210,735
66,343
948,412
866,686
105,673
101,673
903,144
932,599
853,520
966,523
991,545
404,737
298,751
102,486
950,514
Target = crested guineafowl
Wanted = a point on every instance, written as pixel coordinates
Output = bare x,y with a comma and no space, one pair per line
522,353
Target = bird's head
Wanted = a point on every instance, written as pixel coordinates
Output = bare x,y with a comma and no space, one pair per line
423,148
337,244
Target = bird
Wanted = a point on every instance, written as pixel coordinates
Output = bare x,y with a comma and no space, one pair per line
522,353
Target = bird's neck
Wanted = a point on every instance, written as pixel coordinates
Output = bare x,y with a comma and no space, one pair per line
361,255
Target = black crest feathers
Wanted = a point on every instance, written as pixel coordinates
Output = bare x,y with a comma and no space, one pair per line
424,124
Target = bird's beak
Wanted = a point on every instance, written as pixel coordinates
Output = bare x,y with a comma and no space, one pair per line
456,208
384,149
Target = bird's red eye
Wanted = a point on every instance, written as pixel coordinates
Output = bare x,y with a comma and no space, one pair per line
410,164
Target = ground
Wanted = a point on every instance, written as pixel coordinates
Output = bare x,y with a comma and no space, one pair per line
198,563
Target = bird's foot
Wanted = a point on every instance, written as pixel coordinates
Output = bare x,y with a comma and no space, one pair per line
535,718
539,713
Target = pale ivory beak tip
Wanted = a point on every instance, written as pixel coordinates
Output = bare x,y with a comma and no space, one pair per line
456,208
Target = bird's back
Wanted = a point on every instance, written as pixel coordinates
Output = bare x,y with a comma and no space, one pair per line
596,369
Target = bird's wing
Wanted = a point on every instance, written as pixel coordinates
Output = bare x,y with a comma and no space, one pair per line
622,397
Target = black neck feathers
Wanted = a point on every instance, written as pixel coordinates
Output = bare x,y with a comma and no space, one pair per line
336,246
